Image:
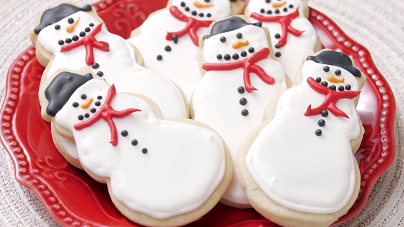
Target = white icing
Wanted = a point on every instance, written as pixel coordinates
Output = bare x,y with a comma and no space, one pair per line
296,48
181,64
296,168
184,164
216,99
118,65
69,146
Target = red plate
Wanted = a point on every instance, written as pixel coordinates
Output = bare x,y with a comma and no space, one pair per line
74,199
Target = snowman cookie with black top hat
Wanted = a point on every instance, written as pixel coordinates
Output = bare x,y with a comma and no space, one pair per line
293,36
159,172
71,37
240,79
169,38
298,167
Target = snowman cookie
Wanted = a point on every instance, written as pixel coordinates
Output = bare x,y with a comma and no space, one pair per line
298,167
159,172
240,78
293,36
70,37
169,38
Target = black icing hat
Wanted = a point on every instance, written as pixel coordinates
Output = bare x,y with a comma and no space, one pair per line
230,24
330,57
61,88
53,15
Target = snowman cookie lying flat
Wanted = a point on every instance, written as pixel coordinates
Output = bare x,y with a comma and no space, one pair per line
240,79
159,172
169,38
298,168
293,36
70,37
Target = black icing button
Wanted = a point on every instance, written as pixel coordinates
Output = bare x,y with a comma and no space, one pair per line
243,101
324,113
80,117
277,36
241,90
124,133
277,46
321,123
99,97
175,38
167,48
95,65
75,38
318,79
348,87
319,132
244,112
144,150
159,57
278,54
134,142
100,73
68,40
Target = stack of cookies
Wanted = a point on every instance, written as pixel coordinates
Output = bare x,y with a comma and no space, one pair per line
209,101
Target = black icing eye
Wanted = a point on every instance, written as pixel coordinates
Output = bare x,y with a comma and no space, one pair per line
75,104
338,72
207,0
57,27
99,97
223,39
70,20
326,69
268,1
83,96
239,35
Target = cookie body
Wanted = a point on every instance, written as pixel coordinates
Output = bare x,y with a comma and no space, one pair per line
224,99
292,35
302,160
159,172
169,39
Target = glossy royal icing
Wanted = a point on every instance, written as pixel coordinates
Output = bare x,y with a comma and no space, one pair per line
178,58
302,161
233,93
157,167
292,35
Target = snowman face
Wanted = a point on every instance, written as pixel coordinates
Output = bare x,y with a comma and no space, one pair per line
275,7
333,77
66,31
204,9
84,103
234,45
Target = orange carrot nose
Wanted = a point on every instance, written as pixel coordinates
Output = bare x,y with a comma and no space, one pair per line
199,5
239,44
87,104
70,28
335,80
278,4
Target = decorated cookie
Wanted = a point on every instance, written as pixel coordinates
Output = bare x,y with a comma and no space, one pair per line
240,79
298,167
293,36
169,39
71,37
159,172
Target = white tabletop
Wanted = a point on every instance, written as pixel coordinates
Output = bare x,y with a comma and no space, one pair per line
376,24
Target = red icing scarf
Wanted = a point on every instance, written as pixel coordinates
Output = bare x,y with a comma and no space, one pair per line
249,66
106,112
284,21
89,43
330,100
192,26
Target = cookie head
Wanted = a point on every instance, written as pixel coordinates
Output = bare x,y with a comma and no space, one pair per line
204,9
232,40
275,7
63,25
334,70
